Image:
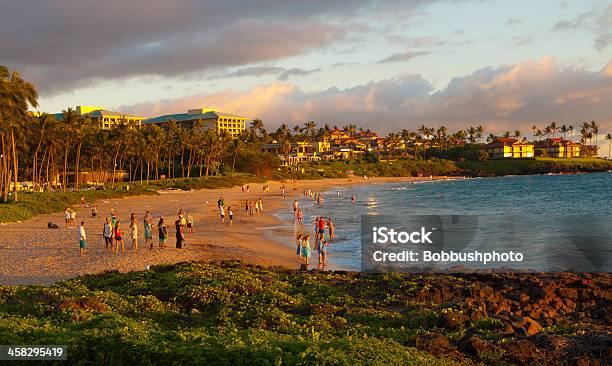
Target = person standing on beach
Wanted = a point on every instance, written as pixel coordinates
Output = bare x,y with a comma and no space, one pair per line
300,216
320,227
298,243
306,251
147,224
222,213
296,206
107,233
251,206
67,216
189,223
330,227
246,207
134,229
73,216
322,250
180,234
119,238
220,202
162,230
231,215
114,217
82,237
260,203
283,191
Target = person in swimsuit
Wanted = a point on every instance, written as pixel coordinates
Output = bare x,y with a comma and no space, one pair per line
322,250
189,223
231,215
119,238
162,230
298,243
330,227
134,228
147,224
306,251
180,234
107,233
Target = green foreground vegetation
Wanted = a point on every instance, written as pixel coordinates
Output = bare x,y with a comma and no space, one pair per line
235,314
207,314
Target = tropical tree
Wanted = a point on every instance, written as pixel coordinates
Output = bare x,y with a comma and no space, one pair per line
16,96
608,138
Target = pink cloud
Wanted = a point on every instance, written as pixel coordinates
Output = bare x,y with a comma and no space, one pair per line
507,97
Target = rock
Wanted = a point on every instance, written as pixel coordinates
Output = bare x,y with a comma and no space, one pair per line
526,326
453,320
524,298
568,293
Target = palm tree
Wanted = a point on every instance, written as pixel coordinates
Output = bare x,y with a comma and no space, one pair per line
564,130
595,129
534,128
479,132
570,129
45,122
16,96
517,134
553,128
608,137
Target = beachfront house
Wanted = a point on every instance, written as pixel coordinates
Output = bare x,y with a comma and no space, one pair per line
208,118
105,118
506,147
299,151
558,148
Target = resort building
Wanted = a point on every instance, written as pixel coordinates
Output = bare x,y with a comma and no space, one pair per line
558,148
104,118
299,151
503,147
206,118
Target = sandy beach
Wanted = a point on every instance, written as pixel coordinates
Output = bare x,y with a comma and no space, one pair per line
33,254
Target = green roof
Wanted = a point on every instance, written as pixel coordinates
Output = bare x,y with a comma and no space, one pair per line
179,117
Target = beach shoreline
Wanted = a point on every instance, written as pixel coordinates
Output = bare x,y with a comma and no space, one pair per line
33,254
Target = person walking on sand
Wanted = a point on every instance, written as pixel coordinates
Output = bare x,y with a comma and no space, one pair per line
246,207
189,223
231,215
283,191
330,228
251,207
134,228
119,238
107,233
306,251
222,213
82,237
180,234
260,203
162,230
147,224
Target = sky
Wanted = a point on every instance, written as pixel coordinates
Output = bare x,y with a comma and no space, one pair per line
384,64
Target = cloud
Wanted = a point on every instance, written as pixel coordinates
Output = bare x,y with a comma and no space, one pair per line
416,42
520,40
252,71
514,21
501,98
285,75
61,44
598,21
403,57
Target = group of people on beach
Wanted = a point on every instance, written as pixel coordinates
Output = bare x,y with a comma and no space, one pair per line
112,232
303,246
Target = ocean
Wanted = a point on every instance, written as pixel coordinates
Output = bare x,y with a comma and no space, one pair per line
559,222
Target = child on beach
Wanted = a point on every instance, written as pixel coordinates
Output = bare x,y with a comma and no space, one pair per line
147,224
222,213
162,230
305,250
134,228
73,218
322,250
107,233
298,243
119,238
67,216
231,215
82,237
189,223
330,227
94,213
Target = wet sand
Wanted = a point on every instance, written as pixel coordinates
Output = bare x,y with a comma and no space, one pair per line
30,253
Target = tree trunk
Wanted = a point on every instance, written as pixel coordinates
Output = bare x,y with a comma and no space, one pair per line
76,166
15,165
65,180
